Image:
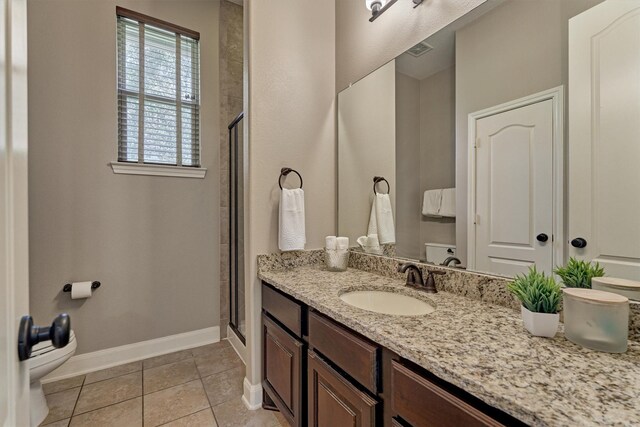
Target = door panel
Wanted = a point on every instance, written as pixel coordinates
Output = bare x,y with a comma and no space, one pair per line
604,135
514,190
14,238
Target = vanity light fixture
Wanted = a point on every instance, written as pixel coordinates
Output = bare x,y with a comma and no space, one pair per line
377,7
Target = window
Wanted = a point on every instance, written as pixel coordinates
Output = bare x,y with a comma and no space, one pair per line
158,92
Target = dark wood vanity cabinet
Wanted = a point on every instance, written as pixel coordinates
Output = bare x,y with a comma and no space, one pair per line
420,402
283,370
334,400
320,373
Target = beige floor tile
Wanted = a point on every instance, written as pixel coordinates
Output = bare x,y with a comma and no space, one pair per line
166,359
281,419
166,376
224,386
109,392
199,419
116,371
209,348
234,414
217,361
61,404
173,403
63,384
61,423
127,413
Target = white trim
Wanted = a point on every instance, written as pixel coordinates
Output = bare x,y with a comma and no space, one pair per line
107,358
237,345
556,95
157,170
252,397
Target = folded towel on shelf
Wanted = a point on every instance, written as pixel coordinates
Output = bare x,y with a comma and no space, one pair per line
448,204
431,203
291,227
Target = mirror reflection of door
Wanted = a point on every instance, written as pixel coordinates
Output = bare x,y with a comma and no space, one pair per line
514,188
604,135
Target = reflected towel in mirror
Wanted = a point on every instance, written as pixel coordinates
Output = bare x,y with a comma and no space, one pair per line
381,219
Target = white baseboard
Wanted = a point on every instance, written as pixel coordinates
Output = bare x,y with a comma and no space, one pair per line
252,397
107,358
237,345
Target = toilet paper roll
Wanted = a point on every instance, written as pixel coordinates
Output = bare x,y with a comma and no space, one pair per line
81,290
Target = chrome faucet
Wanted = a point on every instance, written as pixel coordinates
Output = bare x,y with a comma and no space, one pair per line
451,259
415,280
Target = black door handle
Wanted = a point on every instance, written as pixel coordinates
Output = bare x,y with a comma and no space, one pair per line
30,335
579,243
542,237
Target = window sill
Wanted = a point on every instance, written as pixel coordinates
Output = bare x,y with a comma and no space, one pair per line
157,170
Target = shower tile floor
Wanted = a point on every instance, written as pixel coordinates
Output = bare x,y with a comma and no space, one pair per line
197,387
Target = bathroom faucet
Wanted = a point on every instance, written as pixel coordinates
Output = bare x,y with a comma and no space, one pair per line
415,280
449,260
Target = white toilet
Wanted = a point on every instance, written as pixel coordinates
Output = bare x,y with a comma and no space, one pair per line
44,359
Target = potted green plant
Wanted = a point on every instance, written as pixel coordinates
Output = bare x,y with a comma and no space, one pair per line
578,274
540,297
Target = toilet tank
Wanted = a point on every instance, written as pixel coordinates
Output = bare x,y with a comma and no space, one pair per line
438,252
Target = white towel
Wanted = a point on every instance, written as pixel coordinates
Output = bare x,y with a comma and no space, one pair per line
448,204
431,203
342,243
381,219
291,236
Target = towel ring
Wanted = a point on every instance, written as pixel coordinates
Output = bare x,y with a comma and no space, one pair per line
378,179
286,171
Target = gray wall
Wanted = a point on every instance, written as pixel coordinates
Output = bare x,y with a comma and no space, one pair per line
408,195
151,241
437,151
290,52
515,50
363,46
367,148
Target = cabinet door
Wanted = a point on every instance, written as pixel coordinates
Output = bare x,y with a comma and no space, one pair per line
282,368
334,401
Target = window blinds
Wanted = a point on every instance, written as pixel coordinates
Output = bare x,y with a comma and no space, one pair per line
158,94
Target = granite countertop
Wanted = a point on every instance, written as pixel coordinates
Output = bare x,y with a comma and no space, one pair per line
483,349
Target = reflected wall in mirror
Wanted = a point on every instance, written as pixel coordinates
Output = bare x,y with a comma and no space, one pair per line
471,129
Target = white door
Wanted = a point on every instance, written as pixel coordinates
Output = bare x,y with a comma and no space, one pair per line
514,190
14,265
604,137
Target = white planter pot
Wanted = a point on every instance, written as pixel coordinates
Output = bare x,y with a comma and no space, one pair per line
540,324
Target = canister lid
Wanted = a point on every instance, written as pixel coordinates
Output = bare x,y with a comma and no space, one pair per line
613,282
593,295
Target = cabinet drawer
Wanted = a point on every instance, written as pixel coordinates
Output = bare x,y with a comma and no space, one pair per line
421,402
285,310
334,401
283,370
354,355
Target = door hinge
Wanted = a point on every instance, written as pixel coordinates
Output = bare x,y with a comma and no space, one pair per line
476,219
477,144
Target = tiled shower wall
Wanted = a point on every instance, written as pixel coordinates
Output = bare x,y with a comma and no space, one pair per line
231,31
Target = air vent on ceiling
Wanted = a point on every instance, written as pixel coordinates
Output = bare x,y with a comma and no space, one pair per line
419,49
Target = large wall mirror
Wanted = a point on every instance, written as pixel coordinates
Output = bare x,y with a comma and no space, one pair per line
508,139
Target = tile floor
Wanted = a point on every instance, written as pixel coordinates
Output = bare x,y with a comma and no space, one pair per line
197,387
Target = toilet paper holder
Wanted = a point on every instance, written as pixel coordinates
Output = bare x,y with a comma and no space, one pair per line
67,288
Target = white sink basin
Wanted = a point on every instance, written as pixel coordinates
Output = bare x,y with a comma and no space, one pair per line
387,303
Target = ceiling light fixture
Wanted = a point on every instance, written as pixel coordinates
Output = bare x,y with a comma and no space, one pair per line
377,7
